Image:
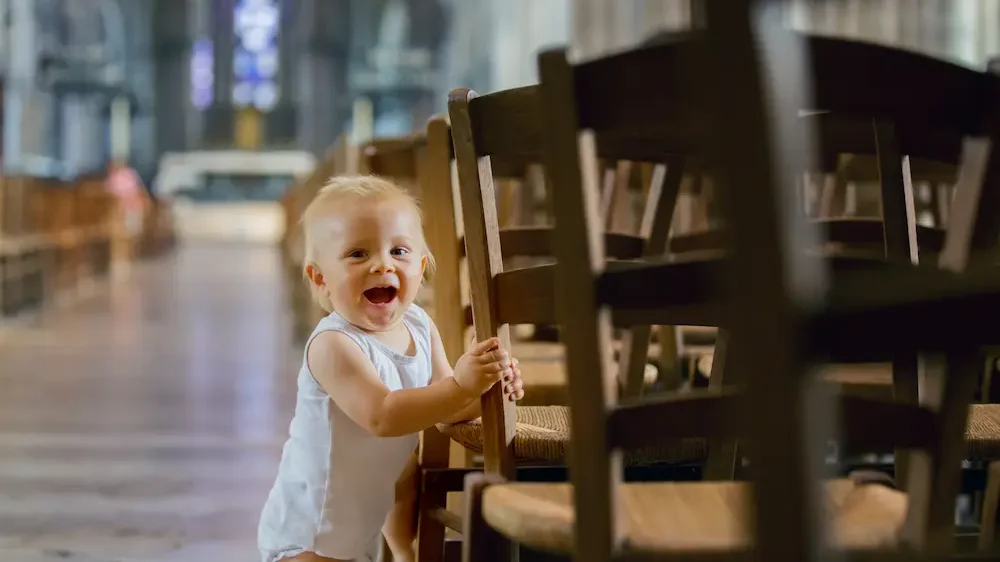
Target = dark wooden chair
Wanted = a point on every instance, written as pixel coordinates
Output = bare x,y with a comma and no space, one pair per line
650,104
541,434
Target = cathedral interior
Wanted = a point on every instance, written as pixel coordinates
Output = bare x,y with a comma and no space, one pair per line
157,156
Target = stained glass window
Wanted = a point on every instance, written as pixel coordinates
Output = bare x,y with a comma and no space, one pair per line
255,55
202,75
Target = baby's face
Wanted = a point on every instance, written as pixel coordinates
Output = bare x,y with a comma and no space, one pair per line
373,261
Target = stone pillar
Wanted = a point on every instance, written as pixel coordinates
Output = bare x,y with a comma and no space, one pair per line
975,31
171,51
323,30
223,37
140,81
21,108
600,26
81,118
965,31
219,119
521,29
282,122
74,130
466,56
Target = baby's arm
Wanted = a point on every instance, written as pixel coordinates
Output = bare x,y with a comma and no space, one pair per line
348,376
442,370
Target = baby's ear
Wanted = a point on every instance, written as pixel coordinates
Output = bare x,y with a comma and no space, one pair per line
313,274
424,273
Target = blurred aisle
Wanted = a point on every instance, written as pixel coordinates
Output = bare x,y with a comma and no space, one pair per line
146,423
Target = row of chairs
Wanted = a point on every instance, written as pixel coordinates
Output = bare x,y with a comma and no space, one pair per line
648,109
786,293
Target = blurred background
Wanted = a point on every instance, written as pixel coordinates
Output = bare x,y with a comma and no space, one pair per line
169,84
147,357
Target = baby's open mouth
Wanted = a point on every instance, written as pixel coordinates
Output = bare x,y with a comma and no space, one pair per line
380,295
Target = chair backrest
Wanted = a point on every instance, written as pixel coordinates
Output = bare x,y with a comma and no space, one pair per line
393,157
441,227
679,97
442,207
305,191
503,126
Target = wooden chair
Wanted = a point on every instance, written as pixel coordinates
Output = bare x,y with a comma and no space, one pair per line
395,158
495,127
889,315
902,154
342,158
542,431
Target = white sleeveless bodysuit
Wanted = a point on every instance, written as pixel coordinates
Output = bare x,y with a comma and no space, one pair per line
336,481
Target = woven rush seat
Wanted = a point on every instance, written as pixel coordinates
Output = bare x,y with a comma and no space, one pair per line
688,516
543,434
982,434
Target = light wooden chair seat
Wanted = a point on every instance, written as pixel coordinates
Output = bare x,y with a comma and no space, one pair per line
687,516
982,433
543,436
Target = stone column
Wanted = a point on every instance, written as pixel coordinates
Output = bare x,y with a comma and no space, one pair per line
521,29
219,119
20,113
74,128
323,29
140,80
282,122
467,56
171,51
975,31
600,26
81,118
223,37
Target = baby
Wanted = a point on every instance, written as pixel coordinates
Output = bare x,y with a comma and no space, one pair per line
374,374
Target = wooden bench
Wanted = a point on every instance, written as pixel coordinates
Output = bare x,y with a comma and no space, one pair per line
55,236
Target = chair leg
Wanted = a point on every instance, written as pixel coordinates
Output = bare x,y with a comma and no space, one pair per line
481,543
723,454
991,511
430,533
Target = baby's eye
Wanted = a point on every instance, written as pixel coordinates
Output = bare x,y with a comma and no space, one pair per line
356,254
400,251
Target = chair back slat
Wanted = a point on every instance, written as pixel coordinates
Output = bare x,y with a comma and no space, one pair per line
868,79
485,262
631,95
506,122
439,203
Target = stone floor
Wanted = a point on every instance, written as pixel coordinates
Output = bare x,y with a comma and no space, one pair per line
145,423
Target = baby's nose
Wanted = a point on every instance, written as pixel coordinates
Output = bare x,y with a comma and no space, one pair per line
382,265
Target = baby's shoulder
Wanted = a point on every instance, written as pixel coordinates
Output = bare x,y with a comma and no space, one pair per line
418,316
334,343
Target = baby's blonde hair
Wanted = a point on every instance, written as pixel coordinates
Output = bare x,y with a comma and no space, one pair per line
341,188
